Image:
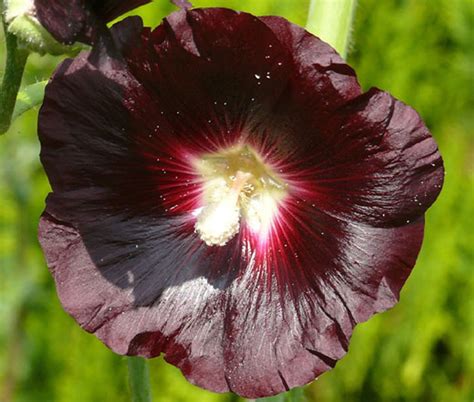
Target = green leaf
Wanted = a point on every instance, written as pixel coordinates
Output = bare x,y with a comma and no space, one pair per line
28,98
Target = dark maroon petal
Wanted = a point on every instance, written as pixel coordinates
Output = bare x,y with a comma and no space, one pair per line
111,9
320,82
141,300
72,152
118,139
301,330
69,21
64,19
375,162
127,33
369,157
318,70
108,10
302,326
205,59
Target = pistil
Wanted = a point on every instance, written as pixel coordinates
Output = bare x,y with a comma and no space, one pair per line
219,221
237,185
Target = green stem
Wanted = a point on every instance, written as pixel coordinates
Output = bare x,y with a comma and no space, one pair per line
139,379
331,20
14,67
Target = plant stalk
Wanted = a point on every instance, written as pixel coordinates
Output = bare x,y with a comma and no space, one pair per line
139,379
331,20
14,68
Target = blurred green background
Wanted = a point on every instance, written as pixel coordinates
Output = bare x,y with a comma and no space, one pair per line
422,350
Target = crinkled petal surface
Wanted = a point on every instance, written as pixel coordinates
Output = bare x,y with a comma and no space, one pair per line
118,138
74,20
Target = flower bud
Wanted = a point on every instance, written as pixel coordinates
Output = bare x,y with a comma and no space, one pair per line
21,20
52,26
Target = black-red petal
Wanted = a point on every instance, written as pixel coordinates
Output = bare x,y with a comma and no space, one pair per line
69,21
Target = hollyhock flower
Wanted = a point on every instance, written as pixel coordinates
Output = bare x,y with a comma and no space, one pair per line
227,195
45,26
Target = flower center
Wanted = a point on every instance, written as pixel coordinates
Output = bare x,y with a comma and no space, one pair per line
238,185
